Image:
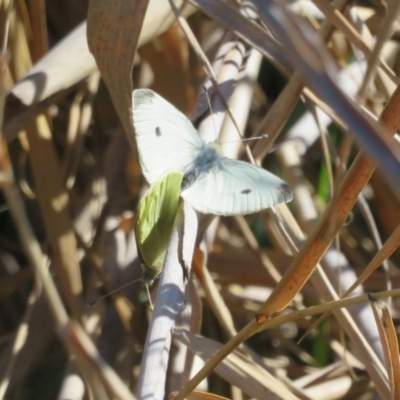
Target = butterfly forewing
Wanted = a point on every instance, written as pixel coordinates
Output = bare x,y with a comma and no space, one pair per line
166,139
236,188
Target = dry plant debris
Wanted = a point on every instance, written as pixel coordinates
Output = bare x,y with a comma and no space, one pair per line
296,302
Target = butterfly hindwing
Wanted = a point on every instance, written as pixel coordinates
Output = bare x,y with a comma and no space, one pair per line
155,221
166,139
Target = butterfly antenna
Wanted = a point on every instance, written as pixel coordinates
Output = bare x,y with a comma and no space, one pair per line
114,291
247,139
251,158
211,111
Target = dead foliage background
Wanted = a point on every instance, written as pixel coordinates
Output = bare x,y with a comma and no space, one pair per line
315,76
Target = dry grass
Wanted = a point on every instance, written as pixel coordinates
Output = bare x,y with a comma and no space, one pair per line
320,79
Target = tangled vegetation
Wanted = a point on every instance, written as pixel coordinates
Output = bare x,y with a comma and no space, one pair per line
296,302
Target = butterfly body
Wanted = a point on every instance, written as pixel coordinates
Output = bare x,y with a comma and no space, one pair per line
212,184
206,161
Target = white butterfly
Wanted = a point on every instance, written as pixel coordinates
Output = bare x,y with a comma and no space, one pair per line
212,184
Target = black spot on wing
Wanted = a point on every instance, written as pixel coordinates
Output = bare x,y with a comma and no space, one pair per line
158,131
246,191
142,96
285,193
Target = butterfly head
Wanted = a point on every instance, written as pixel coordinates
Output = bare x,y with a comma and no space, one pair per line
216,146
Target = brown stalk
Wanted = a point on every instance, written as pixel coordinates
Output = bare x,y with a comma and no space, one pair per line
332,219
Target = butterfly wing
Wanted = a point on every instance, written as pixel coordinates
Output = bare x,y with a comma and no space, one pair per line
166,139
236,188
155,221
